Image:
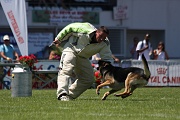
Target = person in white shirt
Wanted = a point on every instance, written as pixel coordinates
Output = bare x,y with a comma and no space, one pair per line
144,47
160,53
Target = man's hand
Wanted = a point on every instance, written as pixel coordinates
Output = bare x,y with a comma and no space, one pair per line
8,59
56,41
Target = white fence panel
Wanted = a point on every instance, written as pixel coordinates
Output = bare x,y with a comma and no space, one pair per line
163,73
174,73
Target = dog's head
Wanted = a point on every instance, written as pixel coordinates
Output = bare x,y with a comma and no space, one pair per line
104,64
104,68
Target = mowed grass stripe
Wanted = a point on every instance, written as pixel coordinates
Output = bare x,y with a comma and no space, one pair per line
149,103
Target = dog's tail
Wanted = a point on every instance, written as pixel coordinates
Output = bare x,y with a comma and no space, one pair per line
146,67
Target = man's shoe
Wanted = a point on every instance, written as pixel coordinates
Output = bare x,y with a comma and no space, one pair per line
64,98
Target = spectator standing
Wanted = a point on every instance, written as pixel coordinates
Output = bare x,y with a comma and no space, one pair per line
83,41
8,52
134,54
144,47
160,53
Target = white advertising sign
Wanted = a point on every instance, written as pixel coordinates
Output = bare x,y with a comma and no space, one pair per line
163,73
15,11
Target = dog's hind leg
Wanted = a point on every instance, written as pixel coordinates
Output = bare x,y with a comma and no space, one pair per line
127,85
108,93
133,87
130,93
129,79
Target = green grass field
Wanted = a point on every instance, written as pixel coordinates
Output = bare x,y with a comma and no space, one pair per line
150,103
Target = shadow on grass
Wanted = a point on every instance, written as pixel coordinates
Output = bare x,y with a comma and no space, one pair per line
114,99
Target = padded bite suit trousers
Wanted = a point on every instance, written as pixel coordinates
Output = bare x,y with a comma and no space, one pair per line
72,63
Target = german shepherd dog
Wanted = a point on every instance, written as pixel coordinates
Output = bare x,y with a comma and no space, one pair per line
117,78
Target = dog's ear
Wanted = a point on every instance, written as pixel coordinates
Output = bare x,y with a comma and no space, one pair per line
103,63
100,62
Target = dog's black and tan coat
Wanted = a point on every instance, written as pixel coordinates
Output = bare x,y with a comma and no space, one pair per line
117,78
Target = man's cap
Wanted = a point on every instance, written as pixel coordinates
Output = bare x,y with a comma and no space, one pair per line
6,37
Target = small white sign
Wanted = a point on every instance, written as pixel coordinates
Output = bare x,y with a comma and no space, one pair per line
120,12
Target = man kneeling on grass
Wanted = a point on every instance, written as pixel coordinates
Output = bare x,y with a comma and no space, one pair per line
80,41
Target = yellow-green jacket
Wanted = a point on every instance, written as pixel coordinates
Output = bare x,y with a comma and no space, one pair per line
77,36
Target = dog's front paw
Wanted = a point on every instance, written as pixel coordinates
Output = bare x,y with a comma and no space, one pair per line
104,98
97,92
